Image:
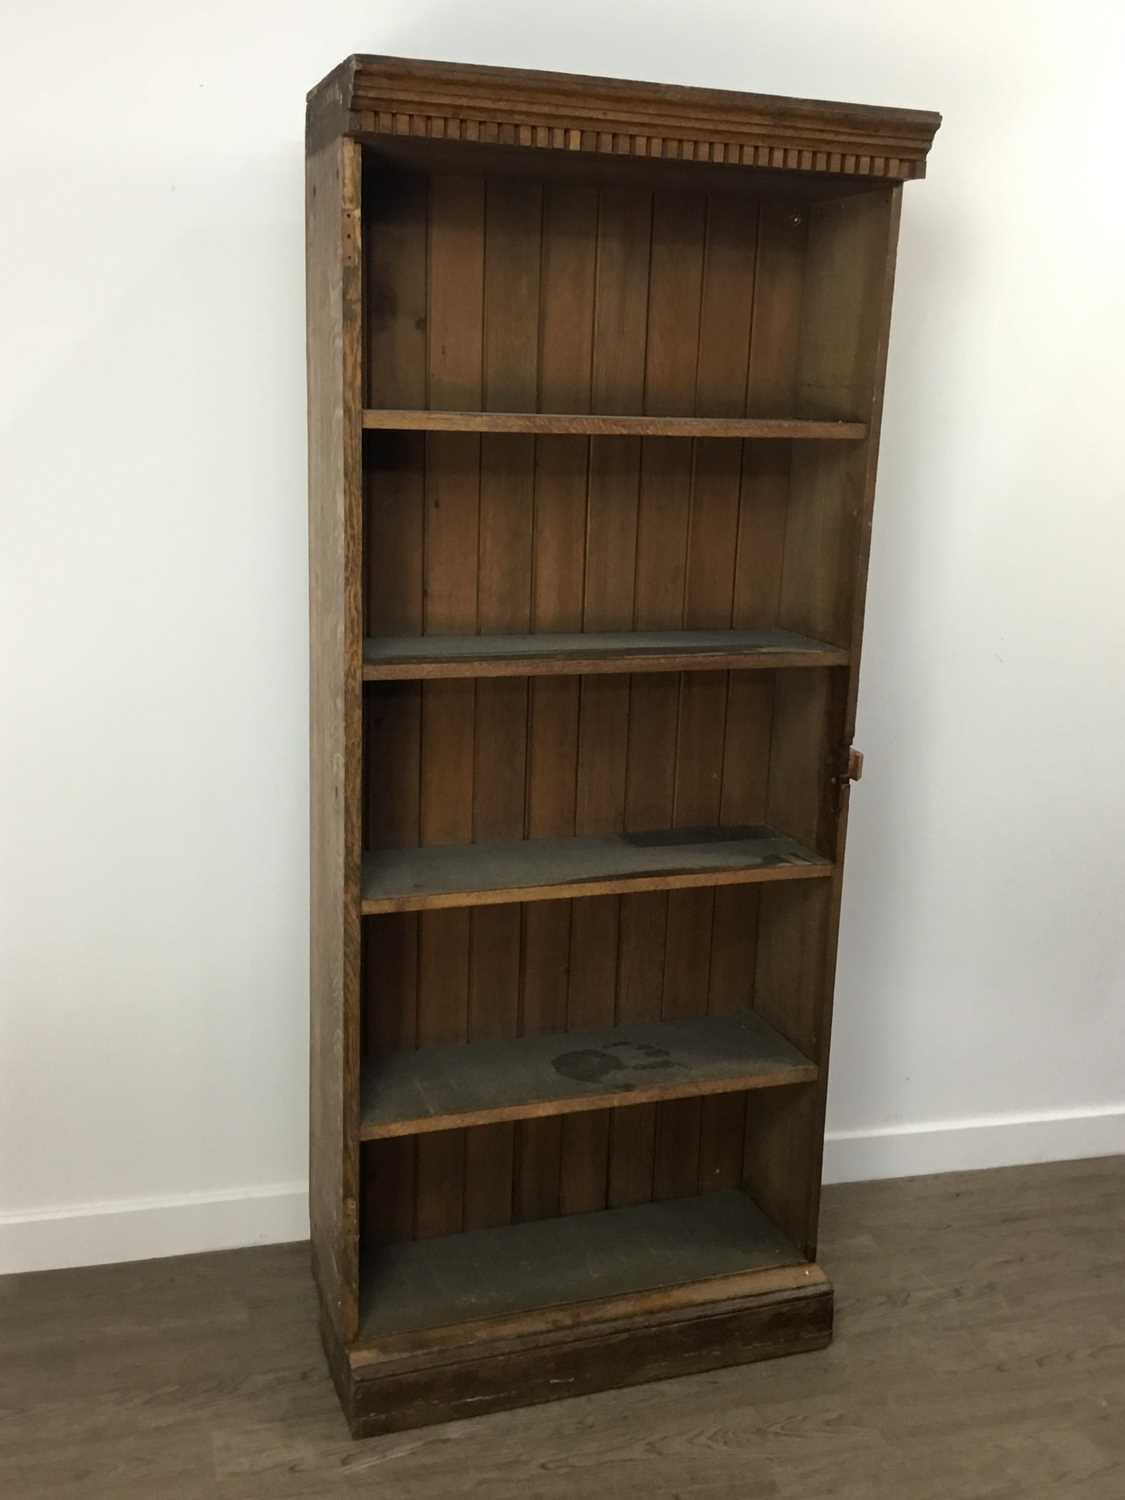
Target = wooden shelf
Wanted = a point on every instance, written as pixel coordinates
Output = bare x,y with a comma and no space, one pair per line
521,1078
561,1263
553,869
387,658
584,424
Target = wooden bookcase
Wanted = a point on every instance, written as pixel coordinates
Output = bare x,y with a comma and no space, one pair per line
595,380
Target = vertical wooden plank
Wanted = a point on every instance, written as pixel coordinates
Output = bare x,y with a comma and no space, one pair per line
513,217
671,358
876,230
775,1160
397,213
394,473
456,272
566,313
770,390
624,230
396,230
334,288
801,798
781,1156
881,231
829,520
710,1131
396,216
843,346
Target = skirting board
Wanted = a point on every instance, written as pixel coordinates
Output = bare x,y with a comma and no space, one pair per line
98,1234
971,1145
103,1233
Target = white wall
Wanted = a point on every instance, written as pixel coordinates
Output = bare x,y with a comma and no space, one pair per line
153,948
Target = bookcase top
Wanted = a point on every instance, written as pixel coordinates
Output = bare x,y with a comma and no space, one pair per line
372,97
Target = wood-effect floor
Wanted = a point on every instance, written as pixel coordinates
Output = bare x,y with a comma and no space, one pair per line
980,1352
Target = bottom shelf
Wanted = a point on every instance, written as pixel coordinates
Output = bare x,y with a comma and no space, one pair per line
549,1263
496,1318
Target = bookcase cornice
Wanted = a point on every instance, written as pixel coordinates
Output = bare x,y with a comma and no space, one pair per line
371,97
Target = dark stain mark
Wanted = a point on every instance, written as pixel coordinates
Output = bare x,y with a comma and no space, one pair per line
591,1065
586,1065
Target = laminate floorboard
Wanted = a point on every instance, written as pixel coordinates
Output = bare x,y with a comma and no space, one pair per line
980,1352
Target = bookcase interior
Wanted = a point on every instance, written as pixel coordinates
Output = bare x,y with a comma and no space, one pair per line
498,291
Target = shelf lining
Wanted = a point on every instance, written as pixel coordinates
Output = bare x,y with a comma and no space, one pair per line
391,658
519,1269
555,869
523,1078
599,425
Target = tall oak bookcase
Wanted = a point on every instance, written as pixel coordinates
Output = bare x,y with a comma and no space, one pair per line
595,381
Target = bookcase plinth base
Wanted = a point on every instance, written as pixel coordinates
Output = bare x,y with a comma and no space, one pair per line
384,1396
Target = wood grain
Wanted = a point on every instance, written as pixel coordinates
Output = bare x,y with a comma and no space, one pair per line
447,752
658,1348
616,172
333,258
679,229
771,383
563,113
445,1088
527,1268
841,355
513,221
601,425
561,653
544,1328
396,207
464,875
595,1149
693,1134
570,218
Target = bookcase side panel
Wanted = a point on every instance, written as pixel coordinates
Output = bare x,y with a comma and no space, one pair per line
843,344
875,340
843,352
396,211
334,292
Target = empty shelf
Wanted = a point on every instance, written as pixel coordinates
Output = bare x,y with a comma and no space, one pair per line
579,423
555,1263
547,655
553,869
447,1087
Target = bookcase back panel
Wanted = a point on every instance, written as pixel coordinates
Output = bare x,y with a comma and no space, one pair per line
714,749
573,297
507,293
572,965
